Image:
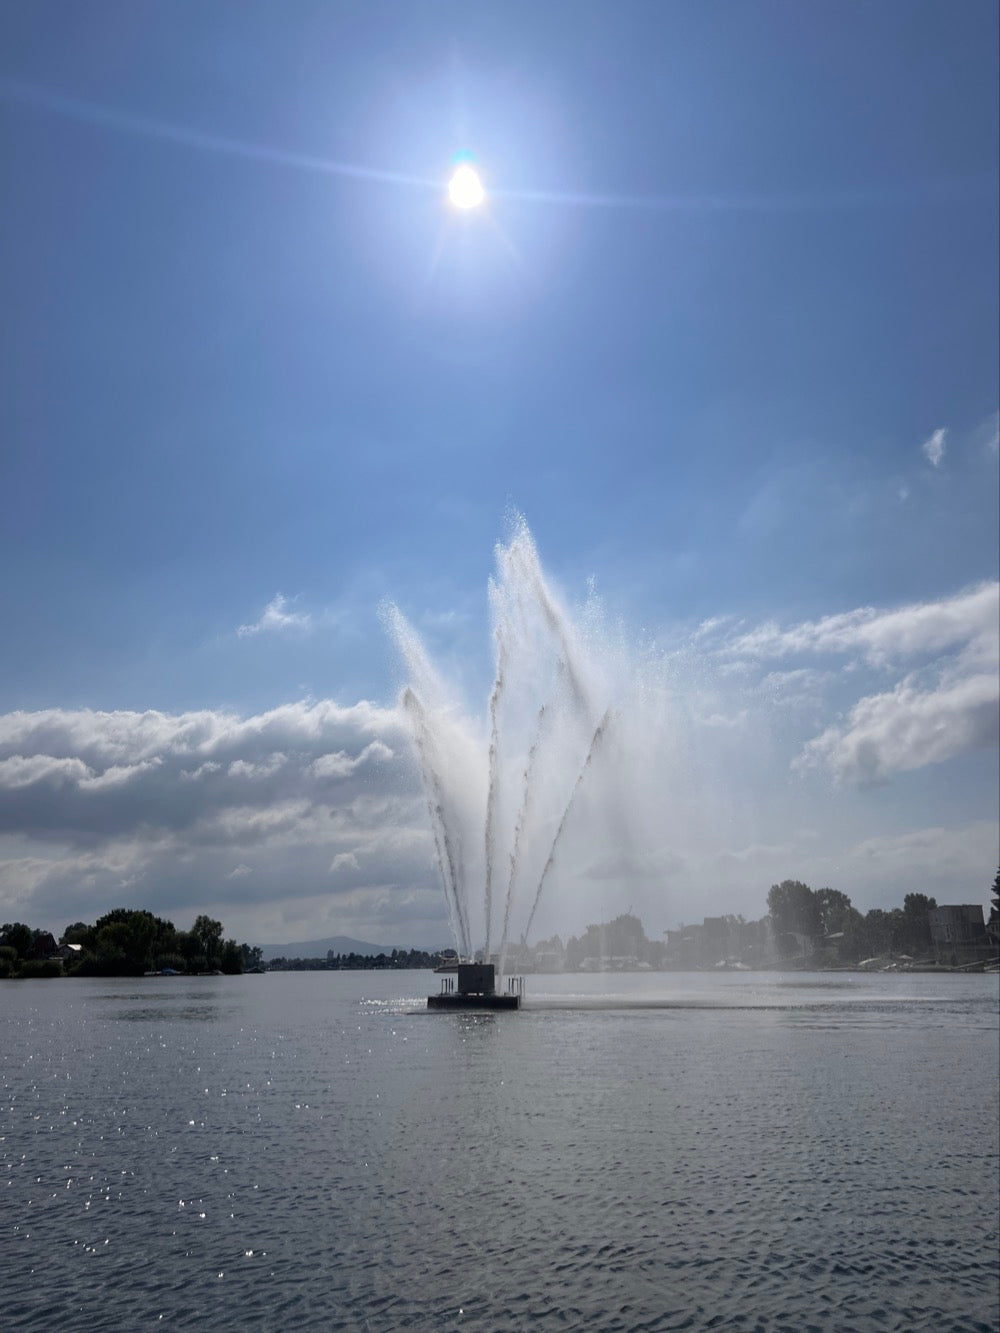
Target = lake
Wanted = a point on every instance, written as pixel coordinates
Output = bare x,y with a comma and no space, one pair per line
642,1151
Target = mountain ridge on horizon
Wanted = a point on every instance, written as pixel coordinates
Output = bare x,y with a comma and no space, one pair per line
336,943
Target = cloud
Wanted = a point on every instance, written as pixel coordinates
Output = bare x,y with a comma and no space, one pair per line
953,855
881,636
803,685
731,722
987,434
934,446
908,728
193,811
275,617
18,770
310,818
944,705
344,861
81,773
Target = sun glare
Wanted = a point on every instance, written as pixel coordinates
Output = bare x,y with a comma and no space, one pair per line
465,189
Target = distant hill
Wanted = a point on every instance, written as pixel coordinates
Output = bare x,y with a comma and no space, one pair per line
320,948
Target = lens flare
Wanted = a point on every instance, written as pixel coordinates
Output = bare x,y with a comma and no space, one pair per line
465,189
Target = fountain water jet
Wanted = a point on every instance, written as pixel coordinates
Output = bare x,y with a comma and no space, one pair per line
513,792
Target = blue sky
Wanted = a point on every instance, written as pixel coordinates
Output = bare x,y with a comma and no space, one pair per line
737,271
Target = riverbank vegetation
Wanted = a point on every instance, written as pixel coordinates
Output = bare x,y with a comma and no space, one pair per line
354,962
818,928
122,943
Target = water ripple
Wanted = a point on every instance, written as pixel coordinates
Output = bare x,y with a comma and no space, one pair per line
304,1150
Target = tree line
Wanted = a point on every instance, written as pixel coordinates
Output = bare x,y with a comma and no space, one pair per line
811,921
123,943
821,925
356,962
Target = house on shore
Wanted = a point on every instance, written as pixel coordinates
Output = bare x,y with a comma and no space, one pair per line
958,934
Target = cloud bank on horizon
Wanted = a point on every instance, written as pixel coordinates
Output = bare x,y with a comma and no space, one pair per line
310,818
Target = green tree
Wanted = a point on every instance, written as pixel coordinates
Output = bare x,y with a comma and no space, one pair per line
17,936
883,931
795,914
834,910
252,957
124,940
995,900
208,933
231,958
78,933
189,947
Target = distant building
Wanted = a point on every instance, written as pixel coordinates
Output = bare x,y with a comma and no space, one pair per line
725,940
958,934
43,946
684,947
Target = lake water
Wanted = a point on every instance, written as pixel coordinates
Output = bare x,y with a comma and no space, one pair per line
315,1150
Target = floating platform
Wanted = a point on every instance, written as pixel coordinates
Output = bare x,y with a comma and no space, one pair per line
474,987
458,1001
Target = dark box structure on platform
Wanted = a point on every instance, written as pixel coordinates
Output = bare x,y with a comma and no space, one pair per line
476,979
475,988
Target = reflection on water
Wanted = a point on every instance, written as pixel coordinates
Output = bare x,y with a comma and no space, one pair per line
162,1013
318,1151
162,1000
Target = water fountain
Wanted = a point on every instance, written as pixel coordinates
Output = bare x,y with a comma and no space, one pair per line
503,797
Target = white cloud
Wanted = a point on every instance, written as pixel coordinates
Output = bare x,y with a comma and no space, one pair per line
117,775
276,617
341,764
262,768
310,819
880,636
180,808
732,722
19,770
987,434
171,812
908,728
951,853
947,707
934,446
344,861
799,686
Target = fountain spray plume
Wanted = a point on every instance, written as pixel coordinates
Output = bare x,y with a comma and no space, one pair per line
446,844
522,816
493,790
602,727
504,786
449,766
523,558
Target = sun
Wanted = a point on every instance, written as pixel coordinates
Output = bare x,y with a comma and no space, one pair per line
465,189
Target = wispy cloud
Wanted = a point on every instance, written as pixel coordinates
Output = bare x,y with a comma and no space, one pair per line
934,446
946,702
277,617
880,635
344,861
987,434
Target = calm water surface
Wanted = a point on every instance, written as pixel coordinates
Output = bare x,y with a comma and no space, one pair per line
629,1152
